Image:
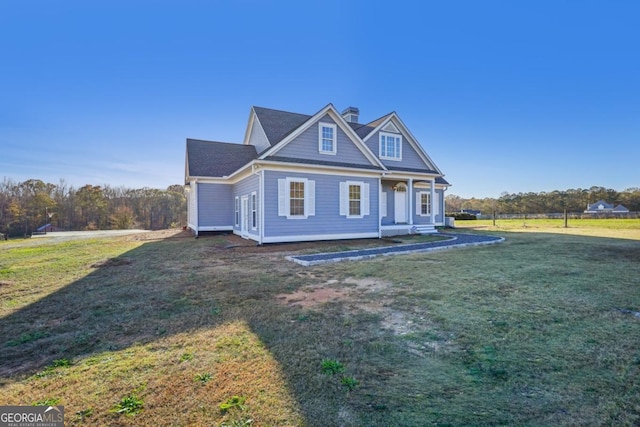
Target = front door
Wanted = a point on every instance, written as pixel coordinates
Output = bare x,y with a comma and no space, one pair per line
400,203
244,216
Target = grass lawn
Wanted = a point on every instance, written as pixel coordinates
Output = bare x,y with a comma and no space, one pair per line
543,329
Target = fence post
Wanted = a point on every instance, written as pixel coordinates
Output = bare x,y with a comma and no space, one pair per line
565,219
494,218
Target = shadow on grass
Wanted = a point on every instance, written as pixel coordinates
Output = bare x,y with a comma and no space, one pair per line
165,288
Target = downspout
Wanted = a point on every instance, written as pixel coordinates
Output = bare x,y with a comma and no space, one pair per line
410,208
380,191
260,174
433,201
196,221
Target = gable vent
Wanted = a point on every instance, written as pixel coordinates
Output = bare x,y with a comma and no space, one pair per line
351,114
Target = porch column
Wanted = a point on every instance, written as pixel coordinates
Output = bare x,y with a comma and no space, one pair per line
411,213
433,201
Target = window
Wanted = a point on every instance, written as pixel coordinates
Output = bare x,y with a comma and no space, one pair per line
327,143
424,207
296,198
390,146
254,211
237,211
425,203
354,199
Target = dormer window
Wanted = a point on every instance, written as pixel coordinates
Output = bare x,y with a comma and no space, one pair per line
390,146
327,140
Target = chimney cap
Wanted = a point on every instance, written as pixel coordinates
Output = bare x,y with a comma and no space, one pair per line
351,110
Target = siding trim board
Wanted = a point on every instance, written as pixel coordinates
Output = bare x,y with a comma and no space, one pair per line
314,237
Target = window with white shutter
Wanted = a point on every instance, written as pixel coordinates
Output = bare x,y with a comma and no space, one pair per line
354,199
296,198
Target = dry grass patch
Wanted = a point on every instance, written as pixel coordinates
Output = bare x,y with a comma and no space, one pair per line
540,330
166,377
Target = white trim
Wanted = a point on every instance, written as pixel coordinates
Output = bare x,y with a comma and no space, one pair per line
216,228
398,158
409,137
252,119
194,215
334,142
340,121
272,165
284,197
365,209
253,200
261,216
390,127
312,237
236,211
419,195
244,215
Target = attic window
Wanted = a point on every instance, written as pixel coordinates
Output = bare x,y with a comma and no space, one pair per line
327,143
390,146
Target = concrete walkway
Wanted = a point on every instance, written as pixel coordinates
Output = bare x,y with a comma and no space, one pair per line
455,240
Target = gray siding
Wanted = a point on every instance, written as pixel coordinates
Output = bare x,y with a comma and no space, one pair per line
327,219
245,188
305,146
418,219
389,219
410,157
258,138
213,205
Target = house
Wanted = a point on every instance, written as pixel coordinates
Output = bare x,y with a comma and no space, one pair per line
603,207
299,177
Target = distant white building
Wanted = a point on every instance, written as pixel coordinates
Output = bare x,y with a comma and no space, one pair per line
603,207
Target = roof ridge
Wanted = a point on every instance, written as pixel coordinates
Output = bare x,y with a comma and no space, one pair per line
380,119
280,111
214,142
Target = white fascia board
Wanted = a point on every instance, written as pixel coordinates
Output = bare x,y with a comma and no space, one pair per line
340,121
379,127
247,133
414,142
409,175
275,166
404,130
207,179
253,118
426,185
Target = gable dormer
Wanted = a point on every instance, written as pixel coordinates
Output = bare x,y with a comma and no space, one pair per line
324,138
396,147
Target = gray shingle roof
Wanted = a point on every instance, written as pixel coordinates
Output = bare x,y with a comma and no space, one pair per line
361,129
217,159
278,124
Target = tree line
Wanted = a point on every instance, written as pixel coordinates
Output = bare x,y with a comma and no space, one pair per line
573,200
26,206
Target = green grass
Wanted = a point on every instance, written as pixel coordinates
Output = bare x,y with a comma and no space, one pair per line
539,330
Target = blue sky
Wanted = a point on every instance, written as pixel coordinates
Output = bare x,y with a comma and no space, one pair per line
504,96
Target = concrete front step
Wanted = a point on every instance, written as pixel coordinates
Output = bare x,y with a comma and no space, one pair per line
424,229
